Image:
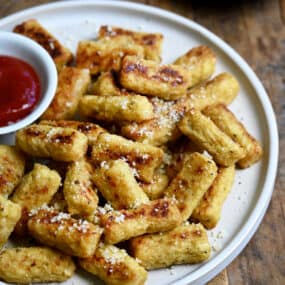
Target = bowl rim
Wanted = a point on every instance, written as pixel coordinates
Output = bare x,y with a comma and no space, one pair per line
51,76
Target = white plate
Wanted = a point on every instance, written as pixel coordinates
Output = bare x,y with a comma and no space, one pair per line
248,201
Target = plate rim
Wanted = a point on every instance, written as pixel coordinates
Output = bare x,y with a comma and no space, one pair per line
244,235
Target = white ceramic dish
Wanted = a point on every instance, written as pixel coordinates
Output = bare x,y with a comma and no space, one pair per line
21,47
251,194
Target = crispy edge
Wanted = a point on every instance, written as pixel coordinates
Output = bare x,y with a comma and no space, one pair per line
56,229
63,144
78,188
35,264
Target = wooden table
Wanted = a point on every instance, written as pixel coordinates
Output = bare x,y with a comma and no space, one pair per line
256,29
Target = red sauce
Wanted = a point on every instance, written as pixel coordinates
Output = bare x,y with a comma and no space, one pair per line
20,89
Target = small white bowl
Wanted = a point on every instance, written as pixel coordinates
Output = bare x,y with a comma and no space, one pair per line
28,50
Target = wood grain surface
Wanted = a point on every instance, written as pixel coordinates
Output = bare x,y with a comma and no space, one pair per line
255,29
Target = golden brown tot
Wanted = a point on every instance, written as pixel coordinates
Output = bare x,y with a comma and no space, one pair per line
60,230
115,180
62,144
35,264
37,187
79,191
35,190
223,88
168,82
190,184
10,214
114,266
12,166
182,245
155,216
116,108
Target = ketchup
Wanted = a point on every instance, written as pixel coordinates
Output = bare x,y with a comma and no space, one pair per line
20,89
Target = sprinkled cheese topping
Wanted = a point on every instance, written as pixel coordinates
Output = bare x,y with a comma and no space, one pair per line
120,218
124,104
142,131
58,218
104,210
63,220
104,164
81,225
33,212
112,254
145,156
